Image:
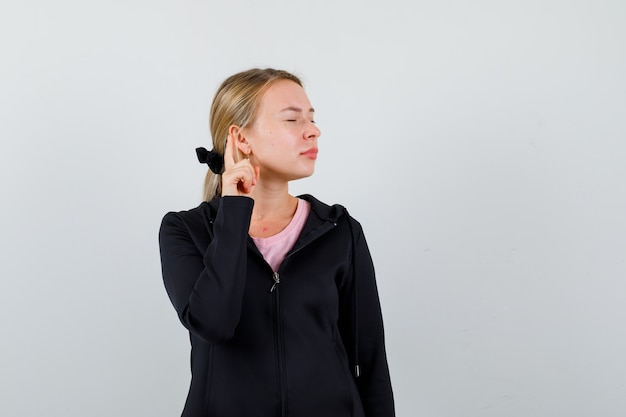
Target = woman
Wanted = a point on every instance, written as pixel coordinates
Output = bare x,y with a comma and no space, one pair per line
277,292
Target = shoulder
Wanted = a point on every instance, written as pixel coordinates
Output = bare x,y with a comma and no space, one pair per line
185,217
180,229
202,216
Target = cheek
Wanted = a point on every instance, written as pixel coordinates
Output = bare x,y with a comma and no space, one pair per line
263,137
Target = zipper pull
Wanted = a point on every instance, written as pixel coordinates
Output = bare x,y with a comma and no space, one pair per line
276,281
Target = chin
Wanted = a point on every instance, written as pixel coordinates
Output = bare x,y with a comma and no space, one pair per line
309,172
300,175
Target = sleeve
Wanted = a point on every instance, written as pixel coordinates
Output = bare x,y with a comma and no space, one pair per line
207,288
361,327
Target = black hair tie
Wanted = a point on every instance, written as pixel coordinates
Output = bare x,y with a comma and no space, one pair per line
214,160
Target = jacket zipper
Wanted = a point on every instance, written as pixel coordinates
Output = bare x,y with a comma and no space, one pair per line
279,346
275,275
276,281
279,342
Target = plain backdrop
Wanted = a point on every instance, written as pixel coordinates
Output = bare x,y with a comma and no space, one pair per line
481,144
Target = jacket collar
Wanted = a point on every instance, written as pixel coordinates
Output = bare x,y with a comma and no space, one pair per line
321,219
322,211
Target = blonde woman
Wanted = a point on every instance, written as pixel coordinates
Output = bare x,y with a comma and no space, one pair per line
278,292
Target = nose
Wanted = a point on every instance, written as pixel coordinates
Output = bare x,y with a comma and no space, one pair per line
312,131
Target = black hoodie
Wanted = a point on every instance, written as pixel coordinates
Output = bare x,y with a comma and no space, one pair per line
276,343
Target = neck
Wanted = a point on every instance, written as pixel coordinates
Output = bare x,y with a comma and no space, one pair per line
272,201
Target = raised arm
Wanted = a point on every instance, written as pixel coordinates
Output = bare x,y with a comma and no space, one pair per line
206,284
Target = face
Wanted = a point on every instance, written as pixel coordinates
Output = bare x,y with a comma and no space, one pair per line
283,137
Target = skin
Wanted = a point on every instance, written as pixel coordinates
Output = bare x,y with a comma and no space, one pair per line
282,146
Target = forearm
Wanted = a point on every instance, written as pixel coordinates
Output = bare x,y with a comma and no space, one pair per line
207,288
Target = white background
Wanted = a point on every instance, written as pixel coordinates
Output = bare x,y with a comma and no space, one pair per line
480,143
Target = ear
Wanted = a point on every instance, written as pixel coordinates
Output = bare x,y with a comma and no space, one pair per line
236,134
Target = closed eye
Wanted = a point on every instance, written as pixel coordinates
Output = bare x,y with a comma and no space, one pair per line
295,120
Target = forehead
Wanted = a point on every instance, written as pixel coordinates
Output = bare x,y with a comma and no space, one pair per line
282,94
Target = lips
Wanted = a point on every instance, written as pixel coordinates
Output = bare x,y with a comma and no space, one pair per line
310,153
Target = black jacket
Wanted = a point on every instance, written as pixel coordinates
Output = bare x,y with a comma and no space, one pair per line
281,343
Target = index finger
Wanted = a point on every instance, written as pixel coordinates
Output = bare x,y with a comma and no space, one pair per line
229,160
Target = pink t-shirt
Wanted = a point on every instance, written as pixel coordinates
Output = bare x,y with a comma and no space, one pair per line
274,248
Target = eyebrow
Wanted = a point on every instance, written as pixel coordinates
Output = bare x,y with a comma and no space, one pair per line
297,109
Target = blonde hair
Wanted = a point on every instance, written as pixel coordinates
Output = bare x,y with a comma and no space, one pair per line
235,103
